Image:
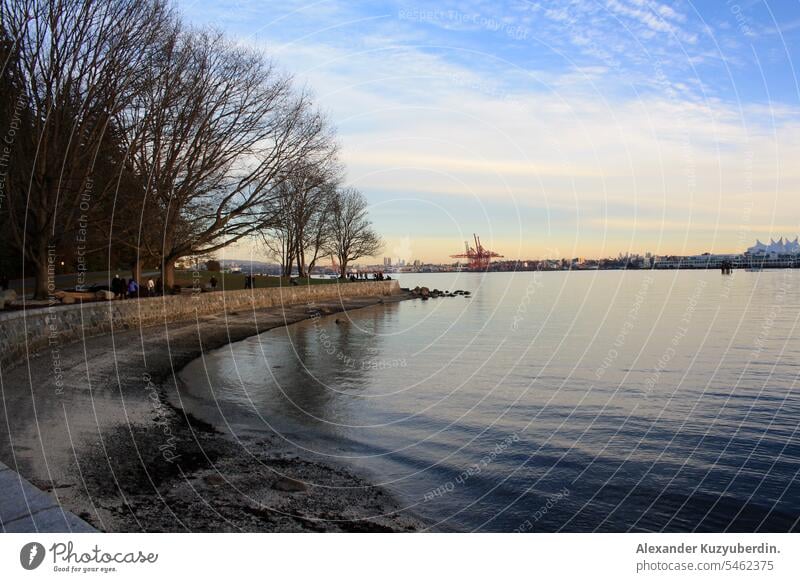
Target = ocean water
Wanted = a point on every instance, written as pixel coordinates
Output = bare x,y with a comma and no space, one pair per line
553,401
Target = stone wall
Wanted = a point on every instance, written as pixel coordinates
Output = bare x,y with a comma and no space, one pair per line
24,332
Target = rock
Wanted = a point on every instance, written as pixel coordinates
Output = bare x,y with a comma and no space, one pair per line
67,300
425,297
104,295
424,292
338,321
74,296
7,298
214,479
289,485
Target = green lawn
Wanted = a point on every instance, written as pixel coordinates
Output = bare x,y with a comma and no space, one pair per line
183,278
234,282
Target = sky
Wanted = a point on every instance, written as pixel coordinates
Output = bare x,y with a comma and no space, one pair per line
552,129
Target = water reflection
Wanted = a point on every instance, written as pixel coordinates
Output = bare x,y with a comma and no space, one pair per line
657,400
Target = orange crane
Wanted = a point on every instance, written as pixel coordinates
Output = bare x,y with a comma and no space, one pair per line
479,257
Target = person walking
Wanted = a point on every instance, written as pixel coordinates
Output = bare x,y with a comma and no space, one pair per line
213,283
133,288
116,287
151,288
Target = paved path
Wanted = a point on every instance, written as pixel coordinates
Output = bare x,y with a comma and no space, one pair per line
24,508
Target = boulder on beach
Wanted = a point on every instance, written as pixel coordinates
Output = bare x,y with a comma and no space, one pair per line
74,296
215,479
289,485
425,292
7,297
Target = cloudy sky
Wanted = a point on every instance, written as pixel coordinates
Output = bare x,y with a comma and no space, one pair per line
572,128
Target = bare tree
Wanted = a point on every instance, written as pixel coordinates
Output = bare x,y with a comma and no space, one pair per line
77,63
352,234
312,191
299,231
278,235
219,129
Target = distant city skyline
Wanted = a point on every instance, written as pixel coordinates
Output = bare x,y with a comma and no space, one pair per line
588,129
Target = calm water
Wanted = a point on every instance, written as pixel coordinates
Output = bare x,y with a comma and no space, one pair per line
609,401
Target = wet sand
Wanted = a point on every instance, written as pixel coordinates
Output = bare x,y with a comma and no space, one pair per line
94,424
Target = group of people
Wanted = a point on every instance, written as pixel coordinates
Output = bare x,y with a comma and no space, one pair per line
376,276
130,289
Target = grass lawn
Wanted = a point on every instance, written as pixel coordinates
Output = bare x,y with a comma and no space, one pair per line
183,278
235,281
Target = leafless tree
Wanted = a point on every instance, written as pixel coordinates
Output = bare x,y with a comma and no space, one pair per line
219,129
299,233
352,234
77,63
278,236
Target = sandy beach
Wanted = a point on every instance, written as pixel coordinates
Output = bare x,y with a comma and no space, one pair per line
105,438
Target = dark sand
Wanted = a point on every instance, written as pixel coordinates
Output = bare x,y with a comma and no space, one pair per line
104,439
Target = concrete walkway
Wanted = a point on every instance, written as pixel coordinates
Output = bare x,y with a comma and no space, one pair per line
26,509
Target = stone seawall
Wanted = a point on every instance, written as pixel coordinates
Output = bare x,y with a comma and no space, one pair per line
26,332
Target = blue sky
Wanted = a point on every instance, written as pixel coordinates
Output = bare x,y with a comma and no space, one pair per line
551,128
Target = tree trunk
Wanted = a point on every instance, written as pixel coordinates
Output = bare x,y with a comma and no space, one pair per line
301,266
136,270
41,276
343,269
287,268
168,274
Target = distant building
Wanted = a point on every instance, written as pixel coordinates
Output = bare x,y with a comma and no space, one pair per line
781,247
387,261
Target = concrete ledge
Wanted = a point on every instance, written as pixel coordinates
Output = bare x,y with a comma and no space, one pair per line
27,332
27,509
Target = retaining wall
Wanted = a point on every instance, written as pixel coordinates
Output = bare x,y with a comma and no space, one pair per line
23,332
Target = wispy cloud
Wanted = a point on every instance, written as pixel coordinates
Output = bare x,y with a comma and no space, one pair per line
610,125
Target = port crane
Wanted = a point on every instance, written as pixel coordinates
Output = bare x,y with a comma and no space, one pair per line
479,257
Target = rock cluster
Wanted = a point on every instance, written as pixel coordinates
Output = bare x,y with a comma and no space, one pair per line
424,293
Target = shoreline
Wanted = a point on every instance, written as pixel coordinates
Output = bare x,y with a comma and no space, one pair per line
122,457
